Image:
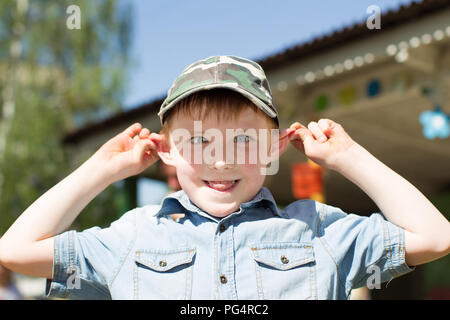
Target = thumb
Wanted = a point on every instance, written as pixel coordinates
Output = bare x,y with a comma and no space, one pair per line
301,137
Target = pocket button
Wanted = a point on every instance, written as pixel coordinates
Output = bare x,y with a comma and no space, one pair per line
162,263
284,260
223,279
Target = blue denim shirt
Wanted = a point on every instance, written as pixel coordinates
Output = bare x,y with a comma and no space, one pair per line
308,250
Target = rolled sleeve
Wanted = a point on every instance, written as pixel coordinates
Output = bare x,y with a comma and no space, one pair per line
394,250
63,254
85,263
367,251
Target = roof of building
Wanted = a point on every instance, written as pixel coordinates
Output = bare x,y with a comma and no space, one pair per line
390,19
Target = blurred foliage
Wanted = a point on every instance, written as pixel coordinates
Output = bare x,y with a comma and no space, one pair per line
437,273
53,79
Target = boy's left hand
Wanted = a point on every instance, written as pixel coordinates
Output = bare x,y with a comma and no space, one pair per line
325,142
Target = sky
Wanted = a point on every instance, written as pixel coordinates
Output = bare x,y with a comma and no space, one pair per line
169,35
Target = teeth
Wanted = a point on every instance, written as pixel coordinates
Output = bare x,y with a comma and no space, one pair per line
221,185
222,182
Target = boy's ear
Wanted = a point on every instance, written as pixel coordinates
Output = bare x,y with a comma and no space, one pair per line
164,152
277,149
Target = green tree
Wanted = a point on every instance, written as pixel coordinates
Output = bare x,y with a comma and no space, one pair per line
53,79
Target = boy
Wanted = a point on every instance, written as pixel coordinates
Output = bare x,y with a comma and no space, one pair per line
233,242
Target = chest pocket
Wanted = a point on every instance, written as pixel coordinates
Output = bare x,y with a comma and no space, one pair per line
163,274
284,270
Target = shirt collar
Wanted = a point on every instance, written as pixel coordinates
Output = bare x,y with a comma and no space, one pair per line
179,202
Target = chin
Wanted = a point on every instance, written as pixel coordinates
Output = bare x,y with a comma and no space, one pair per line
220,204
220,210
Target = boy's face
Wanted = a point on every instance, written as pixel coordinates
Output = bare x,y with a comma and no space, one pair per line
215,159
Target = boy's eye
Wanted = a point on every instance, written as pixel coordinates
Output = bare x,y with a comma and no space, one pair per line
241,138
198,140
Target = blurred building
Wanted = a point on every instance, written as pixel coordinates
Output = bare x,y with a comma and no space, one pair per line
387,87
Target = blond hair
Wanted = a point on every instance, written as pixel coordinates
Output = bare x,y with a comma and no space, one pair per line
224,103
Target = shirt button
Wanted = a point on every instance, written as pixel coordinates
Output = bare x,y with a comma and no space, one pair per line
223,279
284,260
222,228
162,263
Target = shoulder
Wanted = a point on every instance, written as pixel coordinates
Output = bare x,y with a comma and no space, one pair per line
137,214
126,226
320,216
308,211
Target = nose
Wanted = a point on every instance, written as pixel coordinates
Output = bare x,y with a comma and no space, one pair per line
222,165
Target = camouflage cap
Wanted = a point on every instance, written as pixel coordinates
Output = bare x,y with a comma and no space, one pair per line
230,72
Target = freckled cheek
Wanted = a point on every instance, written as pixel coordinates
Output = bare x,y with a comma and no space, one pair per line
194,155
184,167
189,180
251,179
256,177
188,173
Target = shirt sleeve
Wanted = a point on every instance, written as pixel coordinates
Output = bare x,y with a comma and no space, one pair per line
85,263
367,250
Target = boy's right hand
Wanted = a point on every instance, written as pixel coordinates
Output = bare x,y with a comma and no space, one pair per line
129,152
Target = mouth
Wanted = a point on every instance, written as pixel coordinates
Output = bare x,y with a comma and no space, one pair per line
222,186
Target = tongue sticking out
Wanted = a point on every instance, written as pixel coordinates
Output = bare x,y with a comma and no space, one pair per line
221,185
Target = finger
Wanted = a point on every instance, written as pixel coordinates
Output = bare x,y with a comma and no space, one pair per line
286,133
146,149
150,146
156,137
334,128
133,130
151,152
139,150
296,135
144,133
160,142
317,132
302,138
326,125
296,125
303,134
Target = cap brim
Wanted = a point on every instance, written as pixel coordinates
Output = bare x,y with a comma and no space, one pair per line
259,103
